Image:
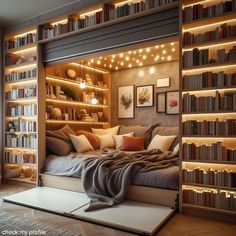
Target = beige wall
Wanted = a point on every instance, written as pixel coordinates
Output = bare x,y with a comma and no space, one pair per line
145,116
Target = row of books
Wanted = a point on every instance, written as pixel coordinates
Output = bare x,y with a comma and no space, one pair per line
15,76
21,93
223,31
22,110
23,141
198,57
109,12
22,125
198,11
219,102
20,41
225,178
66,114
210,128
214,152
19,157
210,198
209,80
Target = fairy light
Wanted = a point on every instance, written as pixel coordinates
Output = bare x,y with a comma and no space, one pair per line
173,49
140,64
162,46
121,63
157,46
110,66
121,55
126,58
164,52
148,49
144,57
98,62
130,65
116,67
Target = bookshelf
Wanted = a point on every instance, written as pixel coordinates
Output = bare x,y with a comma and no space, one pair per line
20,107
208,121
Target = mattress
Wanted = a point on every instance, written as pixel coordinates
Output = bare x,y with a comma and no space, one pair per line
71,165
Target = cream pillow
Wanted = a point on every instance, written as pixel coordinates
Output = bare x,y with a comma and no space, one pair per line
162,143
118,139
113,131
81,143
106,141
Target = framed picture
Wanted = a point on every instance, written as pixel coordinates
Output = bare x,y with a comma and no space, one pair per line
145,96
163,82
172,102
161,102
126,101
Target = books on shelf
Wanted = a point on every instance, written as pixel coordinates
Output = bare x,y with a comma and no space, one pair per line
15,76
23,125
214,152
22,110
199,11
210,128
19,157
209,80
218,103
21,93
23,141
224,178
20,41
223,31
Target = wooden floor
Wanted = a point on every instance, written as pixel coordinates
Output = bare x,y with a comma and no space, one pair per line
178,225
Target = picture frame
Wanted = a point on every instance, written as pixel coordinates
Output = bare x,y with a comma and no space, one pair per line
172,102
161,102
163,82
145,96
125,102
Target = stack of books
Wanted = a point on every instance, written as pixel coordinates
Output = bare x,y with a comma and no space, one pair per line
21,93
23,141
22,110
16,157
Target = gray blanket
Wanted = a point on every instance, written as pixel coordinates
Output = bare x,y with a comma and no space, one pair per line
107,179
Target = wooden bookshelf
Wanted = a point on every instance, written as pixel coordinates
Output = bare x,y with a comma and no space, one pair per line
15,78
189,188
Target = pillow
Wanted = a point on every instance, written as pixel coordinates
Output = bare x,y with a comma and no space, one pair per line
58,146
106,141
133,143
113,131
162,143
81,143
176,148
118,139
139,131
92,138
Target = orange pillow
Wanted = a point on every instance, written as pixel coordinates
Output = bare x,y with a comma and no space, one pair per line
92,138
133,143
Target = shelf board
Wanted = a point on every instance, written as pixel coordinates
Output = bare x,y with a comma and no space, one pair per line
77,122
211,66
192,2
226,88
73,82
21,116
21,132
21,149
25,180
21,164
212,43
209,113
23,64
76,103
208,136
233,189
209,209
18,100
211,162
209,21
112,22
21,48
34,79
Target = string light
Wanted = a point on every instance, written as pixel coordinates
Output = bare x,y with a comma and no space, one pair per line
164,52
140,64
144,57
126,58
130,65
147,49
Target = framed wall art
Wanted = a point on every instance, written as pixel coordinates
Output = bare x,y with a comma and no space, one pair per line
161,102
172,102
163,82
126,101
145,96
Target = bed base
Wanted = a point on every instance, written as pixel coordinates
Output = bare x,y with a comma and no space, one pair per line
156,196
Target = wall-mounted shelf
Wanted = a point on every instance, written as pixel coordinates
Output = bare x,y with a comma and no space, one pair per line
21,65
22,48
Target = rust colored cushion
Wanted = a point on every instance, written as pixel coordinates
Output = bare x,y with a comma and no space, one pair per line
133,143
92,138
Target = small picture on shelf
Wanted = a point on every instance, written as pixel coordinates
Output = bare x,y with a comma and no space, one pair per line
172,102
145,96
161,102
94,116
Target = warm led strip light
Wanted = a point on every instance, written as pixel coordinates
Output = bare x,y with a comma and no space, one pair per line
89,68
76,122
23,100
64,21
19,67
21,149
213,90
125,2
22,81
91,12
34,117
26,165
74,103
25,50
196,2
24,34
76,83
214,113
192,137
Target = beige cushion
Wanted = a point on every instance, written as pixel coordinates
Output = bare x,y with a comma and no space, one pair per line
81,143
106,141
162,143
113,131
118,139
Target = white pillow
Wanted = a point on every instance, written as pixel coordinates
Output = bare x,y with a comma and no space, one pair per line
106,141
118,139
162,143
176,148
81,143
113,131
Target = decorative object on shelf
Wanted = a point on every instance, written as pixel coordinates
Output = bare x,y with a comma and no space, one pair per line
88,79
11,126
161,102
55,113
163,82
71,73
101,116
126,101
145,96
172,102
94,116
